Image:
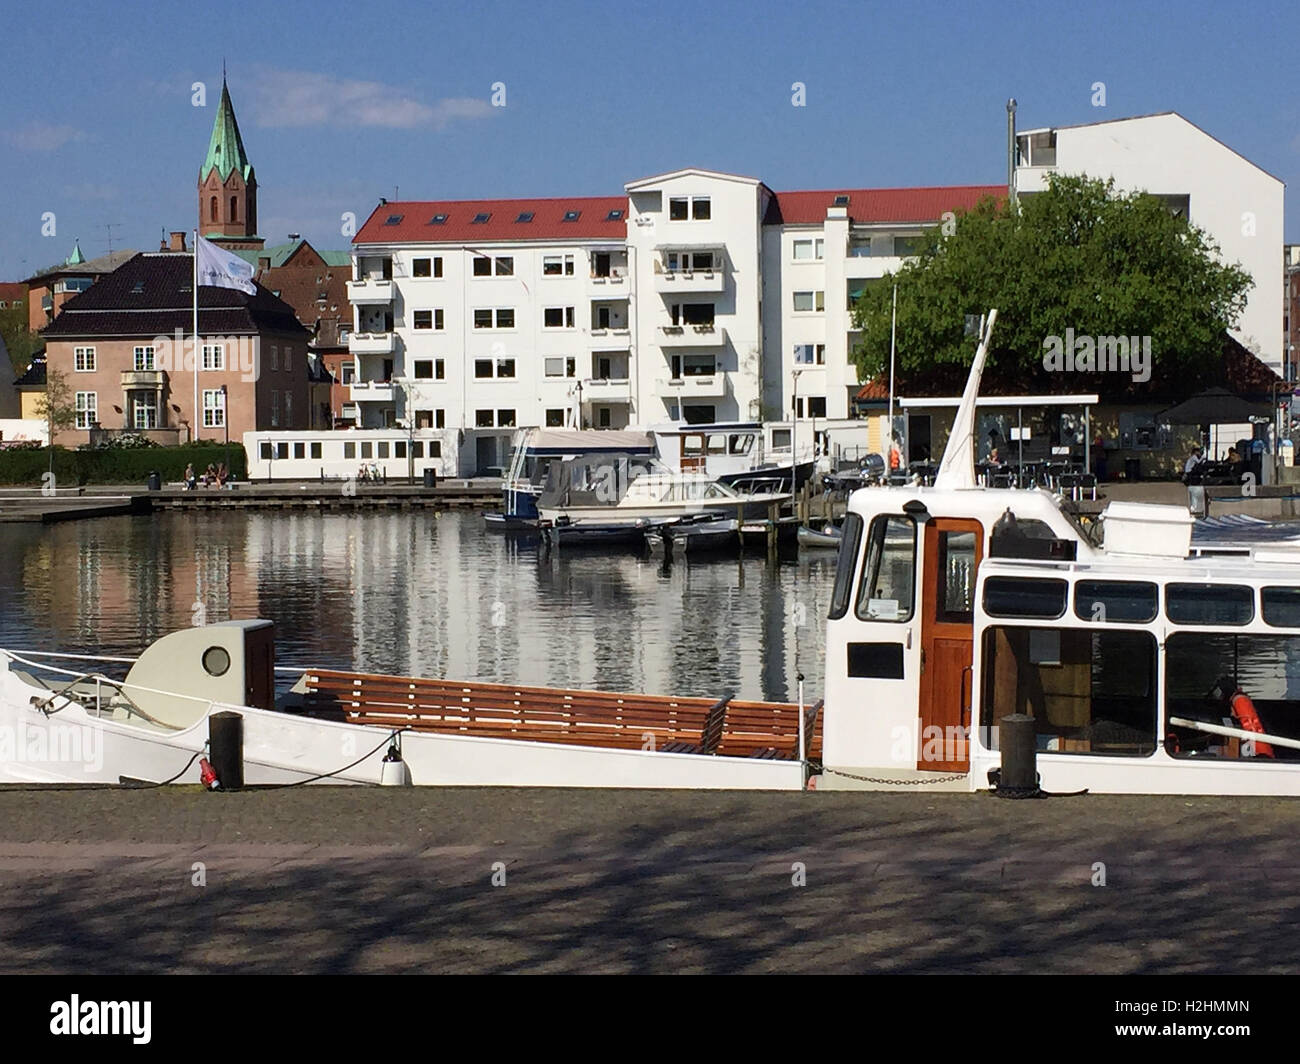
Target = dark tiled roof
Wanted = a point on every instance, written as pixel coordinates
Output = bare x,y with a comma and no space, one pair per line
34,377
89,268
151,295
547,223
879,205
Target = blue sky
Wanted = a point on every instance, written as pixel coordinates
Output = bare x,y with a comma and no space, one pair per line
341,103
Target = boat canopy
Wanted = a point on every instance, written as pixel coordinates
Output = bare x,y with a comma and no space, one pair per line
575,441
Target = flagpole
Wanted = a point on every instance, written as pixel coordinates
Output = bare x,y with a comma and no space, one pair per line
893,333
194,425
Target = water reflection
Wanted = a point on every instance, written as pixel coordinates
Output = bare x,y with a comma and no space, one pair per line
424,594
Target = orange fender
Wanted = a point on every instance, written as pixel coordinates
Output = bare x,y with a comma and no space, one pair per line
1243,709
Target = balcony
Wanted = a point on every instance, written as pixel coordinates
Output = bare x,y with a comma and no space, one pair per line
164,437
379,343
373,392
692,336
615,337
607,390
144,378
712,386
690,281
370,293
610,285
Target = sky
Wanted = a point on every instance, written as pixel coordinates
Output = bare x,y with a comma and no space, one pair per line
340,104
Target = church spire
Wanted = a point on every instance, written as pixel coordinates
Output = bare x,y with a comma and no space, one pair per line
226,147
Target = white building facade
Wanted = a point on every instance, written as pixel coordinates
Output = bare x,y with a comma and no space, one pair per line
1239,205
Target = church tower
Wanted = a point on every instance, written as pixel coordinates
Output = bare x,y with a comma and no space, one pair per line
227,185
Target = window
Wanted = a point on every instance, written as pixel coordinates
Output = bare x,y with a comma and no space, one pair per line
422,267
889,576
524,217
438,219
701,208
506,318
367,449
392,219
87,407
1007,596
427,319
1090,691
841,201
214,356
300,450
557,265
560,367
555,418
144,410
212,209
810,301
505,367
349,450
847,562
816,406
83,359
505,266
558,317
1262,668
315,450
288,358
399,449
482,368
424,370
905,246
505,419
1209,604
1115,601
483,419
482,266
234,209
144,360
381,449
677,209
439,420
275,357
860,247
482,319
810,354
614,216
1281,606
439,369
347,372
812,249
275,409
571,216
692,313
214,408
481,218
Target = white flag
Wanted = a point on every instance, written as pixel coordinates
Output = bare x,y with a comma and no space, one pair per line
220,268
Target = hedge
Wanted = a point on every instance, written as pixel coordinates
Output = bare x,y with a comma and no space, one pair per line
116,465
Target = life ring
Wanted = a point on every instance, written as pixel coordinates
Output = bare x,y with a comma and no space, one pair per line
1243,710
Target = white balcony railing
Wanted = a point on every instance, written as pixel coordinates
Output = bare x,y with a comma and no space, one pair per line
711,280
607,390
711,386
370,293
692,335
373,392
371,343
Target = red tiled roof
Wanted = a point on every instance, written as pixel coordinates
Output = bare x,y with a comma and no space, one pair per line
11,290
593,221
872,390
867,205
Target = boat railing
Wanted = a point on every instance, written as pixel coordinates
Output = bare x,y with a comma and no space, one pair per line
1235,733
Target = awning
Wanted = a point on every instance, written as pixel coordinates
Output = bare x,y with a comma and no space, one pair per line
1214,406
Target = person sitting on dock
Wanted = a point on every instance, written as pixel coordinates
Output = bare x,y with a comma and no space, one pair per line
191,480
222,475
209,475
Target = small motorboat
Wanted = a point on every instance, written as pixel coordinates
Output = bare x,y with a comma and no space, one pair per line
704,536
828,537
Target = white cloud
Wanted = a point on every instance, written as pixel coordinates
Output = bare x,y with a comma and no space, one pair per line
42,137
285,98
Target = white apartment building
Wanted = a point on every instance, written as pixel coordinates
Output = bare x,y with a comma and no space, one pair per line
477,318
1222,192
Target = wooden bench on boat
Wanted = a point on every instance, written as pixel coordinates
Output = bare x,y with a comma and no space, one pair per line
727,727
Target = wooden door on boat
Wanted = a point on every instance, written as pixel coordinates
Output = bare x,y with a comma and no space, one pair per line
953,548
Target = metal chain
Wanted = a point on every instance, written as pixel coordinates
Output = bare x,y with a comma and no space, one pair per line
895,783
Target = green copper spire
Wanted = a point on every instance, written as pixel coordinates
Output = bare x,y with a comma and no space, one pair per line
226,148
76,258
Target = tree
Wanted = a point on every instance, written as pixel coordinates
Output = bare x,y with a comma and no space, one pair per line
1077,256
21,341
57,406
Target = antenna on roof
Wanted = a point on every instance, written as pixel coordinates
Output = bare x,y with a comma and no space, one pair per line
109,227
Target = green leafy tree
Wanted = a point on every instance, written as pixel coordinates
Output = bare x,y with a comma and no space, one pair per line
1077,256
57,406
21,342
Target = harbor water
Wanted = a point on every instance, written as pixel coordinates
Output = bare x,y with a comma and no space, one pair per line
425,594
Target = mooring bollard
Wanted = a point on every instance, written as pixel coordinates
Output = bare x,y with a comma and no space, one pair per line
226,745
1018,742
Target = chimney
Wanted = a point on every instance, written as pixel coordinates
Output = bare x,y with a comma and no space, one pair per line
178,240
263,262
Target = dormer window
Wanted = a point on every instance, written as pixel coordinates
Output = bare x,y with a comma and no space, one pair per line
524,216
614,216
481,218
438,219
841,201
394,219
572,216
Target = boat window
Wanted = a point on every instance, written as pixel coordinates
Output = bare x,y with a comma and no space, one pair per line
1209,604
889,577
717,443
1090,691
1013,596
1235,683
693,444
1281,606
1115,601
956,599
741,444
850,540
